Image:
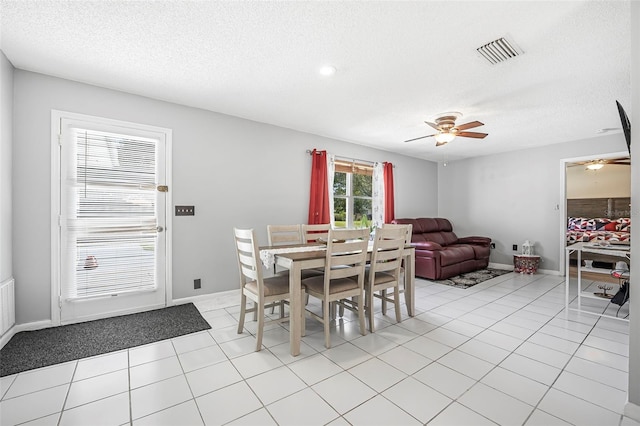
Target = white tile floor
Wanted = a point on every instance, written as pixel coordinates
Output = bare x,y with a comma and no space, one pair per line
503,352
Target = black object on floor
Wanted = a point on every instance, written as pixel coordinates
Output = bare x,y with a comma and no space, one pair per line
34,349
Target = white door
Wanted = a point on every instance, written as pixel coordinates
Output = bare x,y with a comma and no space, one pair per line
112,218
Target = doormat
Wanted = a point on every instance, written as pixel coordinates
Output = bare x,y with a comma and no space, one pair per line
472,278
40,348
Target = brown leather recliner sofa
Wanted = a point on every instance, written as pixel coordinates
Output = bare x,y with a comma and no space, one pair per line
440,254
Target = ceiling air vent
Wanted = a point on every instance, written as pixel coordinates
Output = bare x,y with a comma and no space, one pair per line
499,51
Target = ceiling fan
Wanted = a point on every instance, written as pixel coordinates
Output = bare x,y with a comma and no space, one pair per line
445,124
598,164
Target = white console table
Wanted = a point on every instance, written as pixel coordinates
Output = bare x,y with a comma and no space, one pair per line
623,251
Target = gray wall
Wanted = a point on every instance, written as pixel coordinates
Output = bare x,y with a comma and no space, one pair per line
6,118
512,197
236,172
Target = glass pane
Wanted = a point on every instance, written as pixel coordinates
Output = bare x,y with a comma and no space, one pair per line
361,212
362,185
340,184
340,212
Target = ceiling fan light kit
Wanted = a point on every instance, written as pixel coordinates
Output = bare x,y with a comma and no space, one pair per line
596,165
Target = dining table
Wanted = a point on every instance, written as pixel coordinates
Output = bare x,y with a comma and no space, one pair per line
298,257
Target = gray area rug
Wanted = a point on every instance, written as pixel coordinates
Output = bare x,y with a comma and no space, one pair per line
34,349
472,278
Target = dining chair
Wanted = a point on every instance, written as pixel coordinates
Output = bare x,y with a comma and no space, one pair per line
383,271
280,235
316,233
264,292
343,278
409,232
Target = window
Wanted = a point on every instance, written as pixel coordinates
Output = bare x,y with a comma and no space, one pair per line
352,194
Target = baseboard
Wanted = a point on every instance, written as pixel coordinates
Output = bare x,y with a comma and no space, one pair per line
211,301
30,326
500,266
632,411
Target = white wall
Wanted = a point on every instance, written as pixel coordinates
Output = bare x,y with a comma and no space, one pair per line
6,118
236,172
515,196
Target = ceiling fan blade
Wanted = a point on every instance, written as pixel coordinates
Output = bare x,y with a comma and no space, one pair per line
476,135
469,125
421,137
435,126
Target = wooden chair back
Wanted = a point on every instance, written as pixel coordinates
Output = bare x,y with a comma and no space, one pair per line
408,230
249,264
316,233
346,254
284,234
388,247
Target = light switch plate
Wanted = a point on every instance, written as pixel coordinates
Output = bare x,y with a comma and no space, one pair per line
185,210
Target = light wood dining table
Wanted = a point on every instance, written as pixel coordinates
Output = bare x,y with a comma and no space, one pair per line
297,261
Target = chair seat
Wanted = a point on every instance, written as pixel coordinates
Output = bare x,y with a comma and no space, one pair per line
316,285
380,277
278,284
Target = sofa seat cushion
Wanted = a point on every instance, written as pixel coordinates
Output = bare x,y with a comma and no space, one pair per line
456,254
481,252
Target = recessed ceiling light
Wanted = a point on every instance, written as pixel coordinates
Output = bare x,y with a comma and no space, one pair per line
328,70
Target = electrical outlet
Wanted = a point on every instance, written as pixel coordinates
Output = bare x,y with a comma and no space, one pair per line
185,210
515,247
197,283
493,245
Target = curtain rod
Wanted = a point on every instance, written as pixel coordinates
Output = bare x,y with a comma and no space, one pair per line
348,159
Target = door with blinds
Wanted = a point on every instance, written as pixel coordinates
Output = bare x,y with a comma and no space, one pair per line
112,241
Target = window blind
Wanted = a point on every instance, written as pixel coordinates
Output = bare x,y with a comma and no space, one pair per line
344,166
109,214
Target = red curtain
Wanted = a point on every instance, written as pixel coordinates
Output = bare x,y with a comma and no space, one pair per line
319,194
389,205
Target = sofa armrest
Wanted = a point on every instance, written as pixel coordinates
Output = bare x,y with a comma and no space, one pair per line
427,245
481,241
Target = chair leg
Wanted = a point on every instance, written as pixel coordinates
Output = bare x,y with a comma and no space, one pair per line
326,319
243,307
396,302
260,328
303,310
369,305
255,311
363,328
281,309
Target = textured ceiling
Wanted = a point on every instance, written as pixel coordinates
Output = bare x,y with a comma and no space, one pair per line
398,64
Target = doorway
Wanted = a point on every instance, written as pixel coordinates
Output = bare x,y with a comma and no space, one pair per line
111,254
601,192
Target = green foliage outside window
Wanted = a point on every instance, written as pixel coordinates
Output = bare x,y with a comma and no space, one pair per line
352,194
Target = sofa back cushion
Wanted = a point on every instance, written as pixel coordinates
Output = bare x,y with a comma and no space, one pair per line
438,230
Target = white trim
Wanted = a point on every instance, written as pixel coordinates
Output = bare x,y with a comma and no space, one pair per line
208,302
56,123
37,325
